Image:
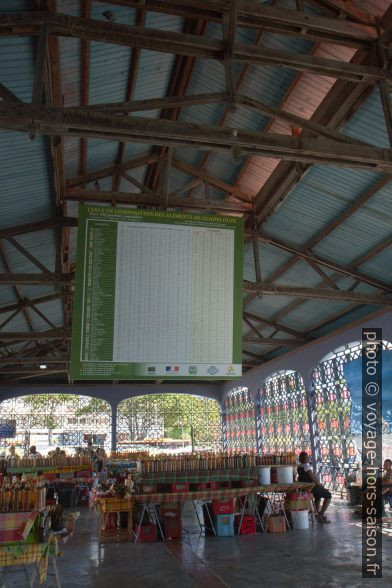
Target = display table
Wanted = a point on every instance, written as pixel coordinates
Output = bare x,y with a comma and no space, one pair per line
33,554
275,493
222,494
110,513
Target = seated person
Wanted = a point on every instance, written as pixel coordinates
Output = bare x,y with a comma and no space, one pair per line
387,477
305,474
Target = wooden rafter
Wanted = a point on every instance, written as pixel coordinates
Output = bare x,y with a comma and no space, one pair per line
186,45
57,121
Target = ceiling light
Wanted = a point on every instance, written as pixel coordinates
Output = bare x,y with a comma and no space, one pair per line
42,366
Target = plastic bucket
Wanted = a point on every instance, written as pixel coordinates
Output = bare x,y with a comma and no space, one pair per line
285,475
264,476
300,519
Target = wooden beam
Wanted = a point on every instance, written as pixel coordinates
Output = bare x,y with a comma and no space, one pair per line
26,302
275,325
148,200
319,28
57,121
6,94
131,87
293,119
108,171
50,223
40,65
52,335
27,254
318,293
234,191
309,255
14,360
157,103
187,45
385,93
19,279
274,342
85,83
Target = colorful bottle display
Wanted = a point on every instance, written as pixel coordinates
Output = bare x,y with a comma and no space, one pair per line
22,495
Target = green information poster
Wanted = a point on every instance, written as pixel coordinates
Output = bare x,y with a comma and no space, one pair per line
158,296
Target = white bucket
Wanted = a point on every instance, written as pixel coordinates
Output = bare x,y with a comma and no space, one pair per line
264,476
300,519
285,475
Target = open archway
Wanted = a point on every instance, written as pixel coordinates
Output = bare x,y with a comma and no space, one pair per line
336,417
49,420
283,414
169,423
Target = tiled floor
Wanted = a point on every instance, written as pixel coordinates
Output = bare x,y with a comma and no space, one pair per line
324,557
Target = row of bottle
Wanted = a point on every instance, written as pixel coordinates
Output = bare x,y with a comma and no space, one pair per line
21,496
277,459
44,462
211,461
128,456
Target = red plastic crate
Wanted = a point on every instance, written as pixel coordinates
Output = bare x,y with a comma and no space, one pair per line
223,506
248,525
171,512
180,487
173,528
147,533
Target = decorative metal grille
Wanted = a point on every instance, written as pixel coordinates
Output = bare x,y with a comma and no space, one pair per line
45,420
239,419
172,422
283,414
338,450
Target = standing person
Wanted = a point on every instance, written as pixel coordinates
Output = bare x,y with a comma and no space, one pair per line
101,463
90,452
305,474
12,453
33,453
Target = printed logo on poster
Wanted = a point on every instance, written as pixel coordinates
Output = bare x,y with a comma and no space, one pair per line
151,369
230,369
168,369
192,370
176,368
212,370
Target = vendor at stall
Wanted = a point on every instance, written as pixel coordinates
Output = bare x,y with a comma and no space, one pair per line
305,474
33,453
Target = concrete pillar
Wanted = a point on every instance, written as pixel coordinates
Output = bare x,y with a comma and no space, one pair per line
114,427
313,430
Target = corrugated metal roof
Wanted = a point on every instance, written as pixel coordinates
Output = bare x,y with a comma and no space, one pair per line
322,195
368,123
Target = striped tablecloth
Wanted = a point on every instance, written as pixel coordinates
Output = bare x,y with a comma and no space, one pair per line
223,494
18,555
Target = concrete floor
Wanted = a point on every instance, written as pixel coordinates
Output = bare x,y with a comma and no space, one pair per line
324,557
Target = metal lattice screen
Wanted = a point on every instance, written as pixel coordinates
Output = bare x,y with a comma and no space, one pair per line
283,414
239,421
46,420
332,405
169,422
